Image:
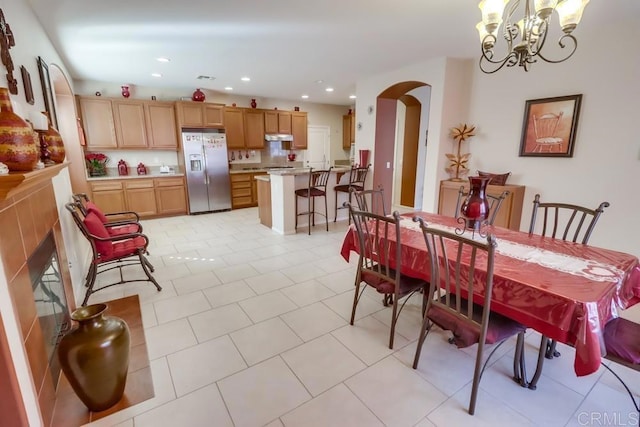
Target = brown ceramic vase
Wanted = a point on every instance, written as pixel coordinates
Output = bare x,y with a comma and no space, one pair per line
53,140
95,357
19,147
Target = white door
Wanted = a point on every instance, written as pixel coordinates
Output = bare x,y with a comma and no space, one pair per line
318,147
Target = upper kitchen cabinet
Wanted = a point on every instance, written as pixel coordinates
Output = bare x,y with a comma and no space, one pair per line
129,119
254,128
161,125
200,114
348,130
98,124
277,121
234,127
299,130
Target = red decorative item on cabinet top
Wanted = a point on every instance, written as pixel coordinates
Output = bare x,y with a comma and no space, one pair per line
125,91
198,96
254,104
142,169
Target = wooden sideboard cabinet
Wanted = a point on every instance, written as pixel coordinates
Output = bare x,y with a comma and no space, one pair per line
510,212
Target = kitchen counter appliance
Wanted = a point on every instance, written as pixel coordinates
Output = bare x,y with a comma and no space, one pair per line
207,170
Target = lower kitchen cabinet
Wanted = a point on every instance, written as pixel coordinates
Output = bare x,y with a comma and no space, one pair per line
171,196
241,191
147,197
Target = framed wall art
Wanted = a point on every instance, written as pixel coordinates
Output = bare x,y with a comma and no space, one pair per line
47,92
26,82
549,126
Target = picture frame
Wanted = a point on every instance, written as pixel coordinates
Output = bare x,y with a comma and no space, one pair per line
26,82
549,126
47,92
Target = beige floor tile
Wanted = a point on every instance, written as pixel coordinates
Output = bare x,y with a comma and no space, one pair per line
233,273
307,292
343,304
228,293
203,407
262,393
148,314
168,338
267,306
337,407
339,282
368,339
397,395
195,282
605,406
312,321
181,306
303,272
204,364
322,363
268,282
219,321
264,340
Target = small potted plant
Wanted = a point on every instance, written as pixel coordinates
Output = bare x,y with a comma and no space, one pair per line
96,164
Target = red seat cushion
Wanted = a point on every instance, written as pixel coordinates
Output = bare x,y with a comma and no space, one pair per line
315,192
125,248
345,187
91,207
119,230
97,228
383,286
465,333
622,339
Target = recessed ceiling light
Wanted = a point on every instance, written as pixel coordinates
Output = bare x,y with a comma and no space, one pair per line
228,88
156,75
329,89
245,79
305,96
319,81
162,59
352,97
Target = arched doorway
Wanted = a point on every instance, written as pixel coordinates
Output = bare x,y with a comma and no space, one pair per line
401,126
68,128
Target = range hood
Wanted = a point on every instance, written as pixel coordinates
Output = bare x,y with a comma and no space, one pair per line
278,137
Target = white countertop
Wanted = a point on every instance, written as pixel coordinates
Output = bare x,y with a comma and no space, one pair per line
136,176
303,171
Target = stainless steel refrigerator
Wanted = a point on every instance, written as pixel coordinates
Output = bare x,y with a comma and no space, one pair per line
207,168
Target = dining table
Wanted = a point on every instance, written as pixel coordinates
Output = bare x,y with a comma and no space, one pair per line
566,291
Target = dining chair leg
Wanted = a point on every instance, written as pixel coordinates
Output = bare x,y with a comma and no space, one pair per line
551,351
296,227
519,368
476,380
394,319
326,213
424,330
147,272
335,217
356,298
543,348
309,214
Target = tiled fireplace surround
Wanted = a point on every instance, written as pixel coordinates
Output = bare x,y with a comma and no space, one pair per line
27,215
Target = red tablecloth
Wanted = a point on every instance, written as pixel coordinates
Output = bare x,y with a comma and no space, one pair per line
566,291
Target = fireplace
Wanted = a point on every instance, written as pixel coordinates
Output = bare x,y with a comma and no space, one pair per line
50,300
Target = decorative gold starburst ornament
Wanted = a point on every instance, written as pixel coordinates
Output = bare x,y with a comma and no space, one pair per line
458,162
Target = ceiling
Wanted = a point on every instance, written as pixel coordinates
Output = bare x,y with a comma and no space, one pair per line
287,47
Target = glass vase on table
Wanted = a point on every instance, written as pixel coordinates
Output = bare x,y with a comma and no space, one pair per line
474,210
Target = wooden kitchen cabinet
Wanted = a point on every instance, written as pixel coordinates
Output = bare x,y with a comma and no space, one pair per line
241,190
299,130
264,203
254,128
129,120
234,127
254,187
140,196
200,114
161,125
108,195
348,131
98,123
277,122
171,197
510,212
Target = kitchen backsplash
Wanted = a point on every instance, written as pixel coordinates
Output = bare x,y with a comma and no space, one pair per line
272,155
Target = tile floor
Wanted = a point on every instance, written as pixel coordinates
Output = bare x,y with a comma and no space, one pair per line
251,329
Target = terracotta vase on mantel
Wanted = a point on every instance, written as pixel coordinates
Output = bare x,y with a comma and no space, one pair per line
53,141
19,145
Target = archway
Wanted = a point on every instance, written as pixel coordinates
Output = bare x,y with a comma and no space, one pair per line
387,163
68,128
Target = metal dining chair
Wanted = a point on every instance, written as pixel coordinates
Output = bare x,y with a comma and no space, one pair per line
563,221
357,178
370,200
379,240
452,260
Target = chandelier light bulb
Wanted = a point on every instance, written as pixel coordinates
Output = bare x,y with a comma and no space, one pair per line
570,14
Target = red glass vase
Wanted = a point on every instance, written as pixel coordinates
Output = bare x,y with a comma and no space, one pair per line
125,91
198,96
253,103
475,208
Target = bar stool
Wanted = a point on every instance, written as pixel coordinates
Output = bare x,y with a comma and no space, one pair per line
317,188
357,177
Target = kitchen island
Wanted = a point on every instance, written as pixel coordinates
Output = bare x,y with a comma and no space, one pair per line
284,182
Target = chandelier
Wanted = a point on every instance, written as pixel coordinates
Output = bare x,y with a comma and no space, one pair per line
525,38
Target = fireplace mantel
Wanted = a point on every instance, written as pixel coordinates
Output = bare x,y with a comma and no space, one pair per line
16,182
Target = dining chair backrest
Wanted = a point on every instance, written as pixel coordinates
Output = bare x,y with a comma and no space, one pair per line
358,176
370,200
564,221
495,202
379,243
318,179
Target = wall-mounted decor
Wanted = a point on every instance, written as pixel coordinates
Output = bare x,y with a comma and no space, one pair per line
549,127
47,92
7,42
26,81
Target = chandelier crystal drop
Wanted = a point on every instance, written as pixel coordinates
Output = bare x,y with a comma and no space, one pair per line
525,38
